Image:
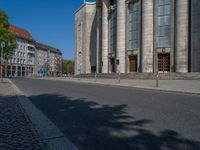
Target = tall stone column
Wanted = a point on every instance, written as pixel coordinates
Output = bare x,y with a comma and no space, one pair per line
105,4
147,35
98,39
181,35
121,34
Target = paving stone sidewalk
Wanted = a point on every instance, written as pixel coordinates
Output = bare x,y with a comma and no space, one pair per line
181,86
16,131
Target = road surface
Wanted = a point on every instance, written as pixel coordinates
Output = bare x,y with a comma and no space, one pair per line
96,117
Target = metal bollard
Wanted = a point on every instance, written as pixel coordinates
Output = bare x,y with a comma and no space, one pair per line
119,78
95,77
157,79
80,75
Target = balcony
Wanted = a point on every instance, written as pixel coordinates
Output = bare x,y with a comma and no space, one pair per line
31,52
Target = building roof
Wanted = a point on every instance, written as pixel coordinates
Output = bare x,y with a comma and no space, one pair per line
46,47
24,34
21,33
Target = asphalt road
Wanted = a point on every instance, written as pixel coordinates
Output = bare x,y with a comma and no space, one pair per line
95,117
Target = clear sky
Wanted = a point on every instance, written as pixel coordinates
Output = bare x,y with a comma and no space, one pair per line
49,21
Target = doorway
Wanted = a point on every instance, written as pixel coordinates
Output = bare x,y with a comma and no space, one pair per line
164,62
133,63
113,65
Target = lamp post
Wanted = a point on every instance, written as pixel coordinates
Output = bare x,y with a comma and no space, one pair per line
2,45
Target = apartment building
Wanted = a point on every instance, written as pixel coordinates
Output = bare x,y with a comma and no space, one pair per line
29,58
48,60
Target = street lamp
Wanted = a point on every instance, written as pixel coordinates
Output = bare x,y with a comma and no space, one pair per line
2,45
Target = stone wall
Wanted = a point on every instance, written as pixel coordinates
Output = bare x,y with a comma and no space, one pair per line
85,40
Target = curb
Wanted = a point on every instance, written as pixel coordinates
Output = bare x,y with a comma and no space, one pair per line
47,130
128,86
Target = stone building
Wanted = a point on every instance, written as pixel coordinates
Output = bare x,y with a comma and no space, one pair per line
29,58
22,62
147,36
48,60
85,38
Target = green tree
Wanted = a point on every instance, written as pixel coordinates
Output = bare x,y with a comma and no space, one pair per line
6,36
68,67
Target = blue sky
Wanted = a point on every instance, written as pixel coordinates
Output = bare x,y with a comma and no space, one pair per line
49,21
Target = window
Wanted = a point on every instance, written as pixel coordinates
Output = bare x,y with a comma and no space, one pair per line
163,23
133,25
113,31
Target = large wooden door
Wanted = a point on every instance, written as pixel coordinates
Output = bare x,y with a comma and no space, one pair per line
133,63
164,62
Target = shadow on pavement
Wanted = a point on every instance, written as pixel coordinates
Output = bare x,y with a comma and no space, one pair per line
91,126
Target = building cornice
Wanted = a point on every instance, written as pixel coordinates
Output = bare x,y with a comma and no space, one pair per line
83,5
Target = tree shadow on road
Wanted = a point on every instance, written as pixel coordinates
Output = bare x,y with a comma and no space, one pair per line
91,126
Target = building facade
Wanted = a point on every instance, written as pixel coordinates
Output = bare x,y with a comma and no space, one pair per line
29,58
48,60
148,36
85,38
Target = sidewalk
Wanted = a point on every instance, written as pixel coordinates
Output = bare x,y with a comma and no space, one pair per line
16,131
181,86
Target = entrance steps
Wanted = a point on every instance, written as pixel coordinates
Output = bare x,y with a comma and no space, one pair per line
145,76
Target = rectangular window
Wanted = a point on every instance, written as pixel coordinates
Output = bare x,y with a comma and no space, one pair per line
113,32
133,25
163,31
163,23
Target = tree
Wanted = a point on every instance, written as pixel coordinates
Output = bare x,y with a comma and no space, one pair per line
58,63
68,67
7,40
6,36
